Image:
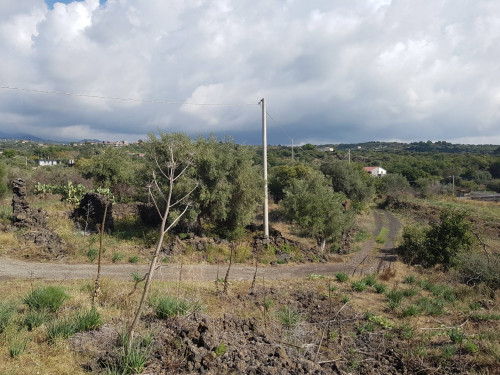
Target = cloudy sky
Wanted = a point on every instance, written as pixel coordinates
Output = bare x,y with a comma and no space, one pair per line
330,70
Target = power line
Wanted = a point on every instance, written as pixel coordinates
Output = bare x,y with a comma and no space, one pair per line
290,138
125,99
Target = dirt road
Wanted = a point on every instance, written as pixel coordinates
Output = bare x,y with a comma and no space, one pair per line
365,261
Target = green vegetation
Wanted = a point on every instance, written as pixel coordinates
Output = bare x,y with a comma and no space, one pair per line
341,277
439,244
169,306
49,298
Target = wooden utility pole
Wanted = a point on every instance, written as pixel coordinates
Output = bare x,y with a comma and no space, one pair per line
349,156
264,145
292,149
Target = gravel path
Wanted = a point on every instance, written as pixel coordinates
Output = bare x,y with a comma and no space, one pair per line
364,261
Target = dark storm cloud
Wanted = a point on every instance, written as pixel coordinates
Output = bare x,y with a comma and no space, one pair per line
340,71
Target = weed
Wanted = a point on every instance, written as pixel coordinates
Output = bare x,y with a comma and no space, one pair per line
221,349
133,361
395,296
485,317
117,257
370,280
457,336
50,298
7,310
448,351
362,235
382,236
433,307
410,279
17,346
341,277
367,327
87,320
411,310
92,254
358,286
268,303
314,276
406,331
474,306
380,288
63,328
133,259
345,299
380,320
410,292
288,316
137,277
168,306
35,319
471,347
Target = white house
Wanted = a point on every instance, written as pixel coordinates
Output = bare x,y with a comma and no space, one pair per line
376,171
44,162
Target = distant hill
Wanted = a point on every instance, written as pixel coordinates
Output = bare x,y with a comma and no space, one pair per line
89,140
29,137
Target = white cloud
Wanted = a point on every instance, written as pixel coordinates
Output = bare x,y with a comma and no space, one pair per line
349,70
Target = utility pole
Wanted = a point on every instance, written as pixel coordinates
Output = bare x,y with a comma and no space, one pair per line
292,149
264,145
349,153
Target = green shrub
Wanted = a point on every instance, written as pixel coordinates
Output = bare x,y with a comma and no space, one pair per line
478,267
166,307
439,244
49,298
341,277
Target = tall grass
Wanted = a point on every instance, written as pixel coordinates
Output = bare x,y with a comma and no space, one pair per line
50,298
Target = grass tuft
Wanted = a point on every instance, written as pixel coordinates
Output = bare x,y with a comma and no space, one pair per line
168,306
50,298
341,277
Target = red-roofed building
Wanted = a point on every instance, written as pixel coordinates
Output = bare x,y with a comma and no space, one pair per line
376,171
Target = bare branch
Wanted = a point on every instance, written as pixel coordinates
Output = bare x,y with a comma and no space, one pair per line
176,219
184,197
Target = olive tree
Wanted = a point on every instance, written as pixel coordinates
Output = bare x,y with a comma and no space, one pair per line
316,209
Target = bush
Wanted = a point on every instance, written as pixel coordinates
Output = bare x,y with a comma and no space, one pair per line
50,298
478,267
166,307
441,243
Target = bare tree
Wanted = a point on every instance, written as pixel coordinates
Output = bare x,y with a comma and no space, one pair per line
172,170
